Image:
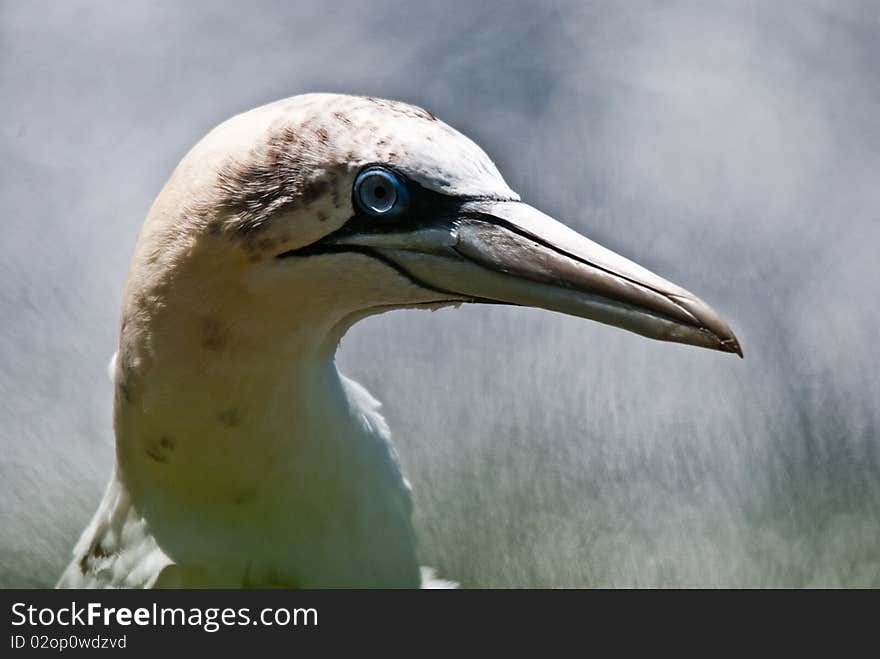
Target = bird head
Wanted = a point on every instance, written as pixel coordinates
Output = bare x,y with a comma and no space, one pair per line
321,209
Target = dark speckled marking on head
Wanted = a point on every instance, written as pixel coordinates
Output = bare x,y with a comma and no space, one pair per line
212,335
404,109
341,118
279,178
270,182
286,173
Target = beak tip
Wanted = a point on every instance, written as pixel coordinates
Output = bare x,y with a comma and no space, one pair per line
723,338
732,345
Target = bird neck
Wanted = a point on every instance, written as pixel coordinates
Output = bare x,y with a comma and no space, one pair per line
270,454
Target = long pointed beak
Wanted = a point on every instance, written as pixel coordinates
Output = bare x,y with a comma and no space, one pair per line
509,252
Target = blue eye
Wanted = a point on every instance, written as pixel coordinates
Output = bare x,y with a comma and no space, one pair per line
380,192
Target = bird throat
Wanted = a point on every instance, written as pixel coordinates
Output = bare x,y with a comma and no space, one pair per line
270,456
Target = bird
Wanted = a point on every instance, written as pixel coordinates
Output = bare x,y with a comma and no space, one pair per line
243,457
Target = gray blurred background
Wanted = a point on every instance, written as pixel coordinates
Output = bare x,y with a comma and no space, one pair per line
733,147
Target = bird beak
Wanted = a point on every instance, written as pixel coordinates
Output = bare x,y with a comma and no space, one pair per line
509,252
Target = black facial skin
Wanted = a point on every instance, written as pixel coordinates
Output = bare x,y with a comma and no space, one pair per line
426,209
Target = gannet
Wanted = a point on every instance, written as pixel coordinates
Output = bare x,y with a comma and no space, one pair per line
244,458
